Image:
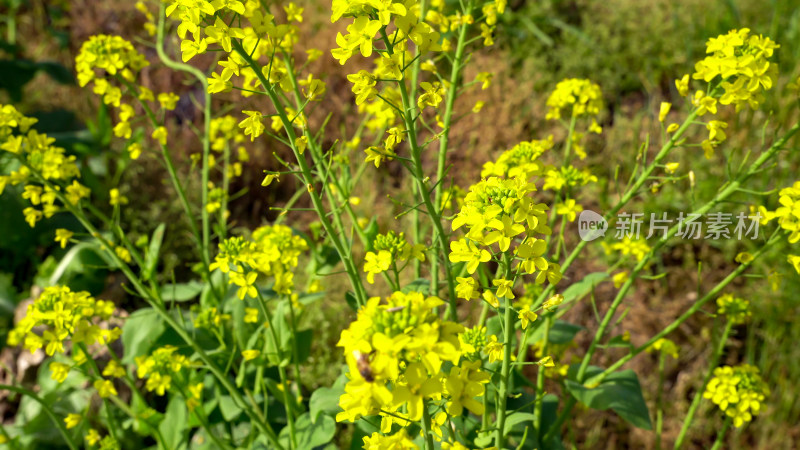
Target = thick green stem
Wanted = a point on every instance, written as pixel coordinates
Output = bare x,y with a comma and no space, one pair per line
426,427
505,370
409,113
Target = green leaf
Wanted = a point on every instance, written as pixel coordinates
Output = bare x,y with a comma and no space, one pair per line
325,400
151,258
420,285
518,418
174,424
181,292
228,407
309,434
578,290
560,333
141,330
620,392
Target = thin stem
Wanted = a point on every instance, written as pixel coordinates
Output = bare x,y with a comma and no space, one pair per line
505,370
308,178
548,323
698,396
203,79
722,433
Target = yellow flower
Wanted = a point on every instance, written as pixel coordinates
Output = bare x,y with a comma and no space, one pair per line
59,371
245,283
252,124
663,111
432,96
123,254
504,288
160,135
72,420
92,437
466,251
553,302
168,100
114,369
115,198
105,388
467,288
63,236
250,315
377,263
547,361
250,354
620,278
525,316
293,13
494,349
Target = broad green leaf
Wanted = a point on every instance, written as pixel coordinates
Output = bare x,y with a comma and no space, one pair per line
174,424
181,292
325,400
141,330
228,407
309,434
620,392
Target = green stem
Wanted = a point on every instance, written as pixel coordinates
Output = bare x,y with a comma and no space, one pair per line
452,93
308,178
722,433
426,427
409,112
203,79
548,323
698,396
505,370
660,399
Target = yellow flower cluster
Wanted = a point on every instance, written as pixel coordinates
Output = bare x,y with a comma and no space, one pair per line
390,248
738,391
496,211
271,250
160,368
637,248
396,350
520,160
788,214
59,315
583,96
45,170
741,61
736,309
111,65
